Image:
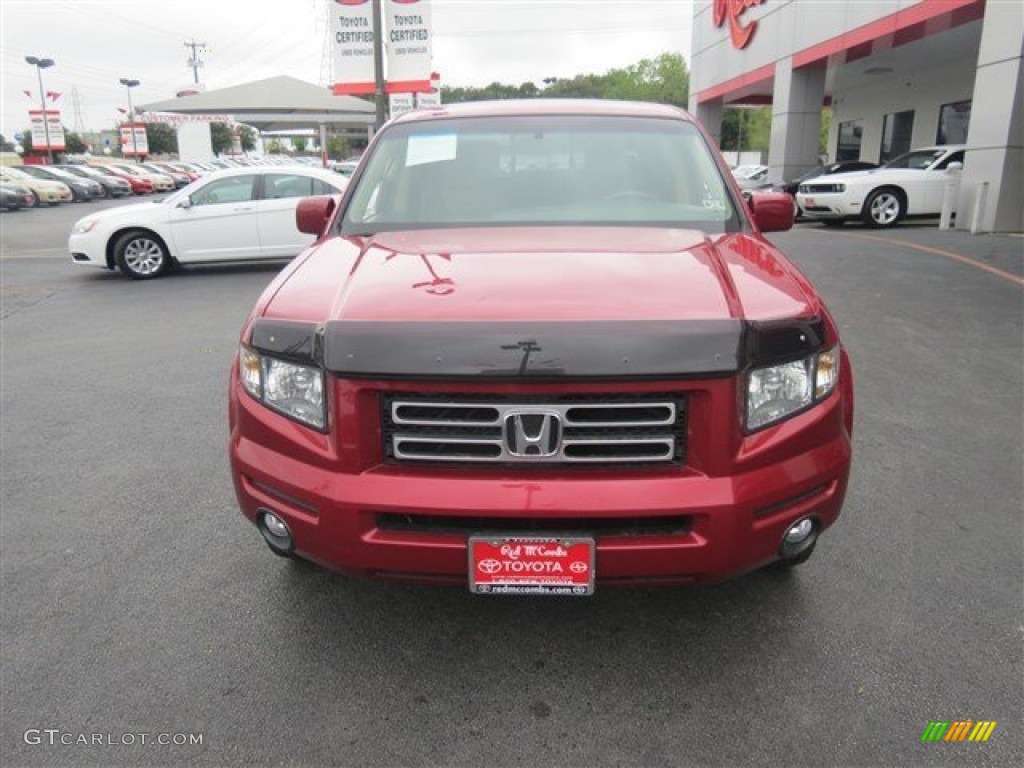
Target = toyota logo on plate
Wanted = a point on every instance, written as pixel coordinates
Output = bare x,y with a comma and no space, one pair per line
489,566
578,567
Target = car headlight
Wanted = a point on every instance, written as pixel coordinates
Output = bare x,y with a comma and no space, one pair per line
83,226
297,391
776,392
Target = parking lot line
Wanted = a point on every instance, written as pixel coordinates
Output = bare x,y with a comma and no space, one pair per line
928,249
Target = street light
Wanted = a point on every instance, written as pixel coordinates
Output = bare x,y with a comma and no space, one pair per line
40,65
129,84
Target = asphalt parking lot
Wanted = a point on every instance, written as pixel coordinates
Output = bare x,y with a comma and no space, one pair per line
136,600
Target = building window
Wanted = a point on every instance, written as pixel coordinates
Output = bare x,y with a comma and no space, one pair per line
849,140
896,134
953,122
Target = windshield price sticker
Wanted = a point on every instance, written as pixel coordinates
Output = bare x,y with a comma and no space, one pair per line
531,565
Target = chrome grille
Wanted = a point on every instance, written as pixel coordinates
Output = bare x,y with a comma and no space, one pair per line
555,431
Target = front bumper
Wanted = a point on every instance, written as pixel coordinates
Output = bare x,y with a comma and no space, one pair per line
735,522
87,250
54,196
829,205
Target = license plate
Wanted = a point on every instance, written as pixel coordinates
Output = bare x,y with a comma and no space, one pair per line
809,201
531,565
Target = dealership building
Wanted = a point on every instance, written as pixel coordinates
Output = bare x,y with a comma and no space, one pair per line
898,75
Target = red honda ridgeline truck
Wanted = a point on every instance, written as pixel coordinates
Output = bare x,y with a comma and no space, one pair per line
542,346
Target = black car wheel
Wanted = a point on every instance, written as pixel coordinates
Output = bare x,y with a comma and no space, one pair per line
141,255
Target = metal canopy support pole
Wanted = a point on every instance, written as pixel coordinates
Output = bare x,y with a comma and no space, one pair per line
378,64
323,144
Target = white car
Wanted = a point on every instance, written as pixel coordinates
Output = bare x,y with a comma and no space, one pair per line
240,214
909,185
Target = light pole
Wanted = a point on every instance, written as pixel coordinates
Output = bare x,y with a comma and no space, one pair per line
129,84
40,65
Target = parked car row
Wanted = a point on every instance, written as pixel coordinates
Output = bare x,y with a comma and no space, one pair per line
36,185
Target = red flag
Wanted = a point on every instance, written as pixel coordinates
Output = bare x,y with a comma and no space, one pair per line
122,111
28,93
53,95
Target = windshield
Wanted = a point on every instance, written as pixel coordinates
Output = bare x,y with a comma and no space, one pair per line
61,172
540,170
16,174
919,159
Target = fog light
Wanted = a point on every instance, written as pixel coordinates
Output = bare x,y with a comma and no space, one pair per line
799,531
275,531
798,538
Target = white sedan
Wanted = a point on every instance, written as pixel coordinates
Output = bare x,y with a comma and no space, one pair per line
910,185
240,214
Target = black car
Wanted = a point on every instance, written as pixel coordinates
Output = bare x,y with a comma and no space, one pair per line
790,187
15,196
111,186
82,190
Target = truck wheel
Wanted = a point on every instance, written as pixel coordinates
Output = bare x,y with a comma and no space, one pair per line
140,255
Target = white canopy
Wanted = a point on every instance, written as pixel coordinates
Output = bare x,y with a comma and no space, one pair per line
275,104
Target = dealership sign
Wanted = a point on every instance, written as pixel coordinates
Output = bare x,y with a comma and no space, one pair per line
730,11
407,39
133,140
352,40
46,123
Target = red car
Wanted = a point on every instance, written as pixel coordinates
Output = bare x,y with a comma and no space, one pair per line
139,185
541,347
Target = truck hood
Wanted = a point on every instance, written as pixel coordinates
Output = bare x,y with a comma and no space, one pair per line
538,274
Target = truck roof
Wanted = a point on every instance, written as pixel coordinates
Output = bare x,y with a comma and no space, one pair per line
519,107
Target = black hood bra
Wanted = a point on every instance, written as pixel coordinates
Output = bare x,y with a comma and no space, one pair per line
538,350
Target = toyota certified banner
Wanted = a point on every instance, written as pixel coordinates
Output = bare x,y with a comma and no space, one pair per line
137,145
408,45
352,46
46,121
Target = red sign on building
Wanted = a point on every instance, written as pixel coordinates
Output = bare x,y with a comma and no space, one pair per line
731,11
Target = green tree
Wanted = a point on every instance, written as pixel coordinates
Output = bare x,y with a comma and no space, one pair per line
826,126
664,79
220,138
73,143
338,148
299,143
247,136
274,147
162,139
746,128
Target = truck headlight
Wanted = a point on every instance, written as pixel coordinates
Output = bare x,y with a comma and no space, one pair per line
776,392
297,391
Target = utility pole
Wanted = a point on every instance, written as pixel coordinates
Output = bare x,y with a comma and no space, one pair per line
195,61
378,65
76,104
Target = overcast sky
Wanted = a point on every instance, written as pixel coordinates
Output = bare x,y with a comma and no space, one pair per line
97,42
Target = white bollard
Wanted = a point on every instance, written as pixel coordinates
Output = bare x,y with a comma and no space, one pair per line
950,191
980,199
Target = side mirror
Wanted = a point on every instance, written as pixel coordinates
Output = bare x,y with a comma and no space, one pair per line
186,203
313,213
954,167
773,211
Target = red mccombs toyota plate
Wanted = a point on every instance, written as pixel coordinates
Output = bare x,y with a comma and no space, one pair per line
542,348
